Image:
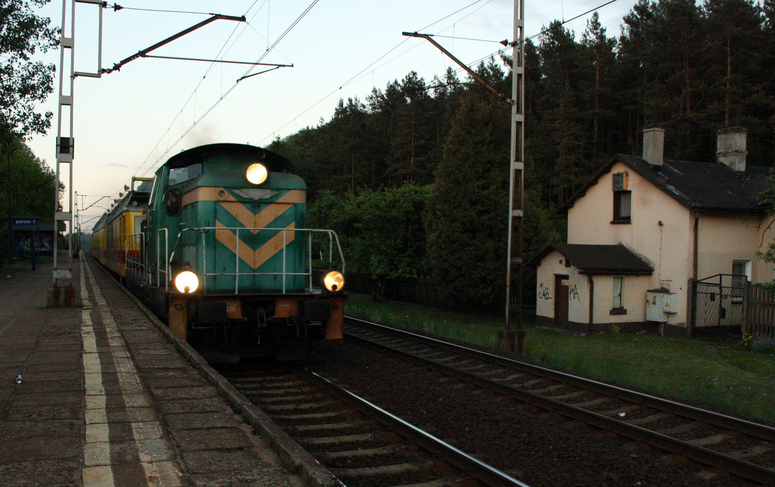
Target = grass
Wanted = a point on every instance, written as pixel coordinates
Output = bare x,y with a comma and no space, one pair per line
698,371
426,319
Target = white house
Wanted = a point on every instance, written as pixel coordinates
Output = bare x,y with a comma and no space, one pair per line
644,229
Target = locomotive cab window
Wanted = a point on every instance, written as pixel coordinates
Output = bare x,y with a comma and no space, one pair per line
172,202
154,188
182,174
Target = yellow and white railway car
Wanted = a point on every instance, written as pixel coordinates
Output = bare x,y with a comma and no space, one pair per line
116,236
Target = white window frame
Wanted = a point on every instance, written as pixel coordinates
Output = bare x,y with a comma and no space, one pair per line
618,293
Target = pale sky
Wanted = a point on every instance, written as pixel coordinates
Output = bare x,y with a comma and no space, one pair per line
128,122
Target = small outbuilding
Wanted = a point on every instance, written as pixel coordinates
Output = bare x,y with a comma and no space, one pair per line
585,286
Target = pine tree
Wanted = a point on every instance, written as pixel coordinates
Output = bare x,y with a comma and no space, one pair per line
560,114
599,100
737,41
664,57
468,207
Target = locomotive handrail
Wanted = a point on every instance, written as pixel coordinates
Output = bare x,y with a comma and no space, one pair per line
332,237
166,261
129,240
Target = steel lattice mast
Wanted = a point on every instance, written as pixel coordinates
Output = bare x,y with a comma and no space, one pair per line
65,141
65,147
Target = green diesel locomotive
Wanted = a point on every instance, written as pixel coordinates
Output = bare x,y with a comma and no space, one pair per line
224,256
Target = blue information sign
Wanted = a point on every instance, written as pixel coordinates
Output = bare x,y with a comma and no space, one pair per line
31,222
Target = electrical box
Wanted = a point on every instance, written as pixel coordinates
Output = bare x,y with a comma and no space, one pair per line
659,304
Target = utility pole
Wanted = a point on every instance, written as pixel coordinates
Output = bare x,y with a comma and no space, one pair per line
513,339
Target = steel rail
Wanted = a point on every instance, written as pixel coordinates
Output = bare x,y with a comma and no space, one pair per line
700,454
467,463
750,428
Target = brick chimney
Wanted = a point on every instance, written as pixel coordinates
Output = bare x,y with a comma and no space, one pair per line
654,146
731,148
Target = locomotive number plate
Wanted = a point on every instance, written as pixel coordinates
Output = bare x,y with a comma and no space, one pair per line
233,308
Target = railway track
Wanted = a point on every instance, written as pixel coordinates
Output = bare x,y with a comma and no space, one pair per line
361,444
742,448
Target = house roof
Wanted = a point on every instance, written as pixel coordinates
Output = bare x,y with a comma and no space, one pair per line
597,259
701,186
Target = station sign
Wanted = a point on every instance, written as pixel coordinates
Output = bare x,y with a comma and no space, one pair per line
26,222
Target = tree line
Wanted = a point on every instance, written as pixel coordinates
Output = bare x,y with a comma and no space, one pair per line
433,155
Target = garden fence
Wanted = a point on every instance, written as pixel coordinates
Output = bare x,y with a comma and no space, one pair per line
760,311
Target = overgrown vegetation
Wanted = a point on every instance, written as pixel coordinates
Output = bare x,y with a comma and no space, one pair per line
467,208
382,232
696,371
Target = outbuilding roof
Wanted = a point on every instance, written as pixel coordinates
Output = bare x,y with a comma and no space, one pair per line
700,186
597,259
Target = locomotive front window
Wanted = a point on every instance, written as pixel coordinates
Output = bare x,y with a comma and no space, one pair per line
182,174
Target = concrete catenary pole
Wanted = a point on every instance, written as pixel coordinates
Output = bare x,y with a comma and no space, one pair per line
513,338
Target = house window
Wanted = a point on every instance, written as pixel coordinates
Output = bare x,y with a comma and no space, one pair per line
741,273
617,305
622,206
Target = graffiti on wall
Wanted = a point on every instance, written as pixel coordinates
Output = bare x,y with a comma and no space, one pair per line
44,243
573,293
544,293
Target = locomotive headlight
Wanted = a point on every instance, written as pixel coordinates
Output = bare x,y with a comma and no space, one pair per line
334,281
256,173
186,282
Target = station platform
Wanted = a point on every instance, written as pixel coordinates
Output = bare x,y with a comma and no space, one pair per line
103,395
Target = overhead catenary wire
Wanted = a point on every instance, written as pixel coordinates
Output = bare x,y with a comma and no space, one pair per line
224,95
248,74
544,30
116,7
357,76
192,97
470,39
368,68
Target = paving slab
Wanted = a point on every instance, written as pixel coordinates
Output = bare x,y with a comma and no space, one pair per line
107,399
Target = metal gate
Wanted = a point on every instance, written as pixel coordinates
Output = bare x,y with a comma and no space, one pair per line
719,301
